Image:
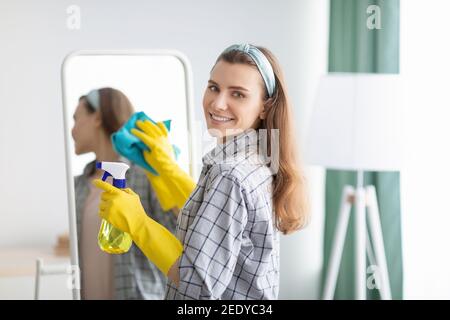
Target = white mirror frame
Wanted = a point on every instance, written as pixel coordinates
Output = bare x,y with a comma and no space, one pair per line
68,165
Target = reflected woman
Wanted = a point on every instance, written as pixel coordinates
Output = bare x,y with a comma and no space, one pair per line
131,275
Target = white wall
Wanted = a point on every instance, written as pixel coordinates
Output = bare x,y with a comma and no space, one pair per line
301,252
425,64
34,42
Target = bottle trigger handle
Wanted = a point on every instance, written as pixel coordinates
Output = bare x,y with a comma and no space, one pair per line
106,174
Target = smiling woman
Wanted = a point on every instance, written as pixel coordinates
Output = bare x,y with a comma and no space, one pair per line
230,104
227,243
254,94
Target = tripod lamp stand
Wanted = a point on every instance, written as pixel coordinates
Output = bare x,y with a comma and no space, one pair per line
356,125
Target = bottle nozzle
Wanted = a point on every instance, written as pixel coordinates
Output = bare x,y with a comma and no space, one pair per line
115,169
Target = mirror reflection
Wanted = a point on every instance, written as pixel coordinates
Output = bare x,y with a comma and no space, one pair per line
102,93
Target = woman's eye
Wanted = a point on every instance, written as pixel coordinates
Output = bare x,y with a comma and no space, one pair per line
212,88
237,94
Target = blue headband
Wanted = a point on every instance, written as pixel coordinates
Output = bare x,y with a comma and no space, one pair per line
261,61
93,98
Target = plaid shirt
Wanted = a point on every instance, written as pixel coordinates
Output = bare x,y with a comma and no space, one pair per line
231,246
135,277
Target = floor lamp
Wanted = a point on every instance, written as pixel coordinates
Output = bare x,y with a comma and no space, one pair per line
356,125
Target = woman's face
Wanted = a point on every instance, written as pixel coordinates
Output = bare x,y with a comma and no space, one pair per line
85,128
233,100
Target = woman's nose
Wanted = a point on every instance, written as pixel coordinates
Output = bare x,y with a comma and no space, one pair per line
220,102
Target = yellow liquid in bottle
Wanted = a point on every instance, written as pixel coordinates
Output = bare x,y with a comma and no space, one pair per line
113,240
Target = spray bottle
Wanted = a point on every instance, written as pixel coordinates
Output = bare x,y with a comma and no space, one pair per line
111,239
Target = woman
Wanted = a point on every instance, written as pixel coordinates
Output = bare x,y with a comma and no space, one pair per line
103,276
228,230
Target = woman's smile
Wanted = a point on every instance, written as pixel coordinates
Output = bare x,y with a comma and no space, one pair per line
219,120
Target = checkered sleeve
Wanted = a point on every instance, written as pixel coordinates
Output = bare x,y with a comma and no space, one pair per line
213,240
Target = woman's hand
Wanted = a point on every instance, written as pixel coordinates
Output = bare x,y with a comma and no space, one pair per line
156,138
123,209
120,207
172,185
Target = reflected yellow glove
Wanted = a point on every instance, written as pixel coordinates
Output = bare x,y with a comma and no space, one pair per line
173,185
123,209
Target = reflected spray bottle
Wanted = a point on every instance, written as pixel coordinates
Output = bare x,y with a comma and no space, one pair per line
111,239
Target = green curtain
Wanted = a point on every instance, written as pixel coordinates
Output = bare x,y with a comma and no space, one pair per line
353,47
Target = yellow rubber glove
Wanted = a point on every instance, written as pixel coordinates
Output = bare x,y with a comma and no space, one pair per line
123,209
173,185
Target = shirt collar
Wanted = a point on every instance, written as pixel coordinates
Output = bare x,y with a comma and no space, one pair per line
235,149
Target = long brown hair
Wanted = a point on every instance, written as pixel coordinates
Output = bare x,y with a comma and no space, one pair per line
289,188
115,108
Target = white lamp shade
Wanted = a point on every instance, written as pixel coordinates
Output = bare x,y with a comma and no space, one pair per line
356,123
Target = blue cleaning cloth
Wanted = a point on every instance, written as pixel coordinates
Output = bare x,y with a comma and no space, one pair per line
130,147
